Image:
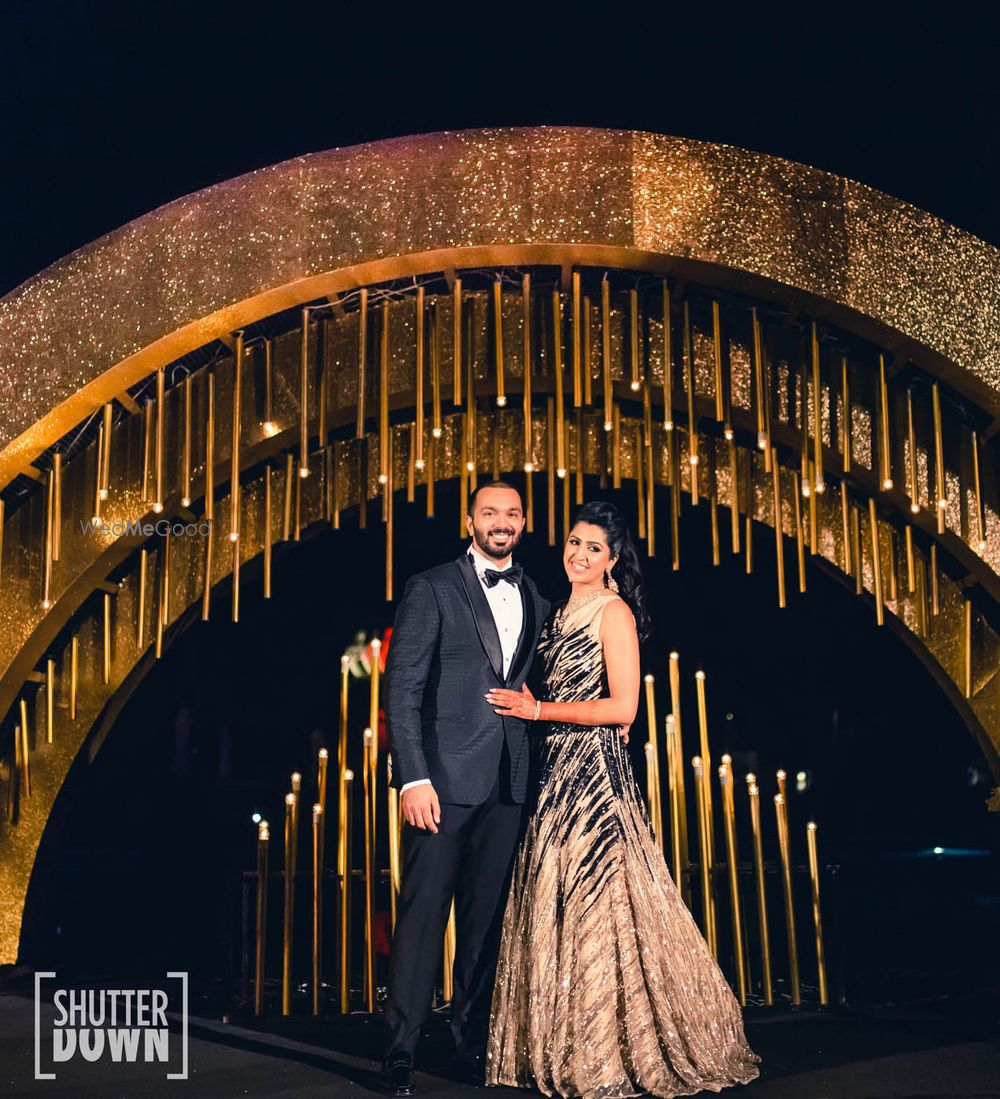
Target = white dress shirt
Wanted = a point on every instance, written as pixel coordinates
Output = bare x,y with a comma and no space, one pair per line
505,604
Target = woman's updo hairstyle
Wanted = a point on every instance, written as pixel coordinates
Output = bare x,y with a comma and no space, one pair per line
626,571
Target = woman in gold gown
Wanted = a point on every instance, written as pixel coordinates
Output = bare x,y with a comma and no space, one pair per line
605,986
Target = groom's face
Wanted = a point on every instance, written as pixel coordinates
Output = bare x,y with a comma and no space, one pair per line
497,523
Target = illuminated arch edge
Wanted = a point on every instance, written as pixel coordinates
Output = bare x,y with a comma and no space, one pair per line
204,265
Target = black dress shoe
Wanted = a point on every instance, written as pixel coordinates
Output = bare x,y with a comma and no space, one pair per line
397,1078
471,1070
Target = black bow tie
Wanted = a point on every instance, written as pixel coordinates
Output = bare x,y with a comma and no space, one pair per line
511,575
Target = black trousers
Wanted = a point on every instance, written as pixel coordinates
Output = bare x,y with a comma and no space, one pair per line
470,858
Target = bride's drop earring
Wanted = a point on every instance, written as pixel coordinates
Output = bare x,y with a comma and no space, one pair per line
610,582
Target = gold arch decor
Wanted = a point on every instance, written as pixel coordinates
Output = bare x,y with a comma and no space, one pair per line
326,340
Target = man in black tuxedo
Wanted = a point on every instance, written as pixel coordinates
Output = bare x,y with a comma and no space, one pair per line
460,629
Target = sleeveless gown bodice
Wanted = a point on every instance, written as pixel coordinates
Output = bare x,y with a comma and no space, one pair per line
605,986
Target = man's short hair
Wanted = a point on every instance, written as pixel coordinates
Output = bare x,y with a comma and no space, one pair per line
493,484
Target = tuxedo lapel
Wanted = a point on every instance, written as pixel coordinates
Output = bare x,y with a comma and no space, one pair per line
528,622
481,613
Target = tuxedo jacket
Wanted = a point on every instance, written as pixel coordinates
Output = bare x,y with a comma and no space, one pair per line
444,655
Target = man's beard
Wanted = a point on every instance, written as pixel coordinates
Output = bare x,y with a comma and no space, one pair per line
482,541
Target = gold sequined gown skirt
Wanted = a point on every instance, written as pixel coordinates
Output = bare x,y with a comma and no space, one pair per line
605,985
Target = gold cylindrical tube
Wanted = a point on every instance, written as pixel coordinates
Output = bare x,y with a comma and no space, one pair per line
784,849
345,805
56,524
74,674
692,416
234,470
106,453
656,808
419,383
814,877
885,458
359,426
876,561
206,587
431,474
160,457
501,396
576,340
729,816
606,350
289,909
639,466
940,486
758,868
779,551
47,536
845,415
449,957
435,349
263,843
734,497
147,454
550,467
23,740
674,464
706,759
210,445
565,499
526,373
587,367
707,905
304,394
286,497
50,697
317,906
106,641
389,488
650,787
763,442
369,790
845,522
800,544
557,371
977,490
720,411
668,362
268,537
270,427
616,446
856,550
635,381
186,451
383,401
675,764
819,485
650,502
456,329
675,712
911,574
913,487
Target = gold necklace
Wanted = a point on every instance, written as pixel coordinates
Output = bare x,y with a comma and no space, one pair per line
576,601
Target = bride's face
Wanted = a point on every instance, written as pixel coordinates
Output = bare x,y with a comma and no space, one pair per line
586,555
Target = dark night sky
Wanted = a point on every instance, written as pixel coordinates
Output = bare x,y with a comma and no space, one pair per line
110,109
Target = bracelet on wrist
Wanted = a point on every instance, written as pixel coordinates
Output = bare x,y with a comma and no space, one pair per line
538,709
